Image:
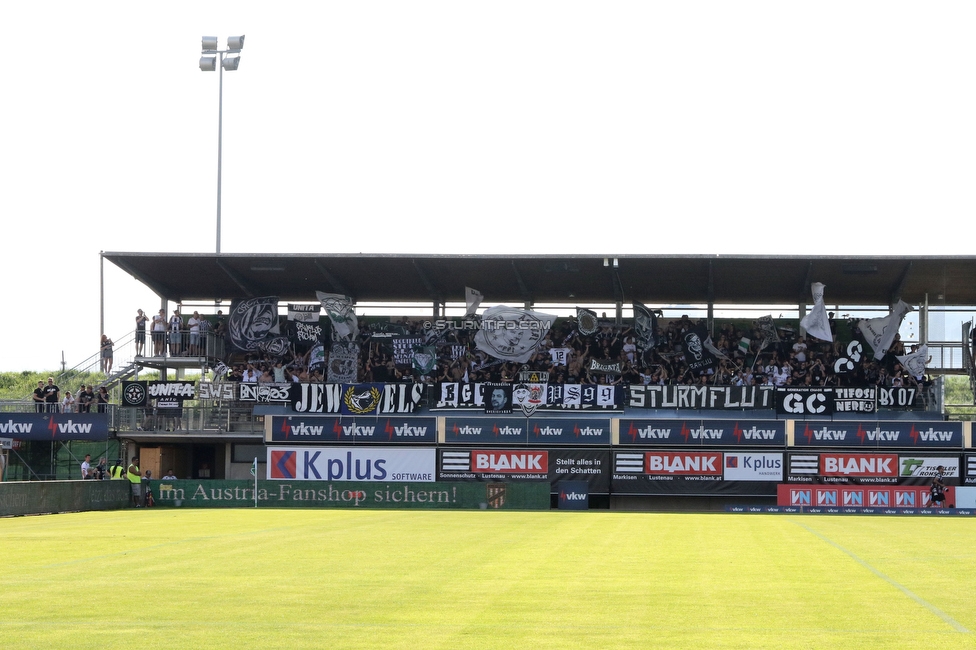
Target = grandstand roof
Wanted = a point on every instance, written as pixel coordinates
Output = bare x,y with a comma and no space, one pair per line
568,279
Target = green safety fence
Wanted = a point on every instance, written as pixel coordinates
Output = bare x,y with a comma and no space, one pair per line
347,494
40,497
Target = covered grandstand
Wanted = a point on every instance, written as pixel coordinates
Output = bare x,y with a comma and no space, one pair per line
611,441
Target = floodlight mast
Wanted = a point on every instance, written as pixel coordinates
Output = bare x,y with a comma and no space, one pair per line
208,64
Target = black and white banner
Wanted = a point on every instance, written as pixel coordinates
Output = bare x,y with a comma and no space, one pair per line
604,367
343,362
697,355
306,334
180,389
498,399
265,392
700,397
645,327
135,393
403,349
804,401
226,391
252,322
461,395
304,313
586,321
355,399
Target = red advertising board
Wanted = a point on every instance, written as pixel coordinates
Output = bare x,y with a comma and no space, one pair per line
817,496
678,463
855,465
509,461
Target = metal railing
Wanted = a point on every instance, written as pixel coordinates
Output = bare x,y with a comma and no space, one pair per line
206,419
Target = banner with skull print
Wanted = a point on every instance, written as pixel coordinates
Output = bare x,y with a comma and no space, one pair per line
645,328
343,363
696,354
530,393
767,328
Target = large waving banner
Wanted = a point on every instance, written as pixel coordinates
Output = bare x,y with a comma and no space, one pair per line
512,334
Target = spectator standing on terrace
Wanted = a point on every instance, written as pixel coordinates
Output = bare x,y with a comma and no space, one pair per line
68,403
107,354
101,470
279,372
52,395
170,476
250,375
102,399
175,331
135,482
220,326
141,321
194,326
159,333
38,397
86,467
85,398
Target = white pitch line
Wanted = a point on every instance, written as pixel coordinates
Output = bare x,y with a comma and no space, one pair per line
905,590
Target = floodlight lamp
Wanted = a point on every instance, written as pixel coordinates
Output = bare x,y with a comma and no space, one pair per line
235,42
209,43
208,63
231,63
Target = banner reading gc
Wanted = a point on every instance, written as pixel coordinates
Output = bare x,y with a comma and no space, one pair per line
351,464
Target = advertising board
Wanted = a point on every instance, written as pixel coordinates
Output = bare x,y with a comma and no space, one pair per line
554,466
318,429
703,433
350,464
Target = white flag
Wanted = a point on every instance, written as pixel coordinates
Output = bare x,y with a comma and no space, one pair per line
340,311
914,363
880,332
512,334
472,298
816,322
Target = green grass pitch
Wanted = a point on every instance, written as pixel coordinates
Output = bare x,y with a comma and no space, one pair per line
395,579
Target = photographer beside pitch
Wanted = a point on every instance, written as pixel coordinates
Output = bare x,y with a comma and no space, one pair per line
938,488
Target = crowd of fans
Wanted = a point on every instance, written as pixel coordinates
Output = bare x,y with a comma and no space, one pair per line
568,357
